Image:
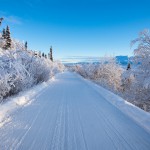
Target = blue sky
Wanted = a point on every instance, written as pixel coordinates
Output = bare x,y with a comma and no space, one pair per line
77,28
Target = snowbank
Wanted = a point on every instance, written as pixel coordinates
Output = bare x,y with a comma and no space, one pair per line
21,100
135,113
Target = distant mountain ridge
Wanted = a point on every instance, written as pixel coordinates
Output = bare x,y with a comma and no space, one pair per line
123,60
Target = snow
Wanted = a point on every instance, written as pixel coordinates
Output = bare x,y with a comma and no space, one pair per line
73,113
22,99
137,114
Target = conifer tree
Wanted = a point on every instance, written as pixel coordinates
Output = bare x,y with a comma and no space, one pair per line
8,39
51,54
26,45
4,34
43,55
128,66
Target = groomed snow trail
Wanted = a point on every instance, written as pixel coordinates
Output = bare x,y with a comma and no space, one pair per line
71,115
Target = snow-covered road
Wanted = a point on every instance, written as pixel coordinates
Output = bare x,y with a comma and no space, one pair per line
71,115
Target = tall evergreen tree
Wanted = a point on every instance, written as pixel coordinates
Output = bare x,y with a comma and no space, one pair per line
51,54
4,34
26,45
43,55
8,39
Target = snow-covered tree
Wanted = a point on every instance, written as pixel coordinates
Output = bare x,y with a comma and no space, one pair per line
136,81
142,60
26,45
39,53
17,45
107,73
51,54
7,39
20,69
45,56
2,42
4,34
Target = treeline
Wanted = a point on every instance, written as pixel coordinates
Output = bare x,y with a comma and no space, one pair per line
7,43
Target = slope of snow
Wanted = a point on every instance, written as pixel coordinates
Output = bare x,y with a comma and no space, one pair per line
71,114
20,100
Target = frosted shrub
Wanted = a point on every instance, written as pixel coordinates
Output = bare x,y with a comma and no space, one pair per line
107,73
142,59
21,69
2,42
136,82
57,67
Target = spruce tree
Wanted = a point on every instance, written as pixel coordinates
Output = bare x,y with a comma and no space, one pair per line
4,34
8,39
26,45
45,56
51,54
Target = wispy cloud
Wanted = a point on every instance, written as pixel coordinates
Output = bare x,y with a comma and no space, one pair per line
10,18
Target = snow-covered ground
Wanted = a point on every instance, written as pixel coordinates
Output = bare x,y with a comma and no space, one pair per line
23,99
134,112
73,113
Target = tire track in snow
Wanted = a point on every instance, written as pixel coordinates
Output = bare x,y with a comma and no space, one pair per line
16,145
102,117
108,120
109,130
19,136
81,129
59,125
37,134
72,138
112,129
51,130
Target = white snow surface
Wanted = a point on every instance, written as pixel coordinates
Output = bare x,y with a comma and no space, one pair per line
73,114
22,99
140,116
